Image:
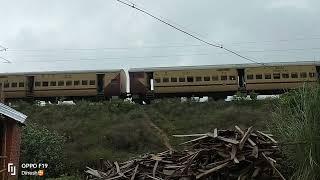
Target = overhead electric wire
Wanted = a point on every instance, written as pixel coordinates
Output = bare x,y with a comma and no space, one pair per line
2,48
187,33
57,58
6,60
170,21
111,58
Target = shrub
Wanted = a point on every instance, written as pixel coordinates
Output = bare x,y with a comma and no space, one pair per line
253,96
40,145
296,120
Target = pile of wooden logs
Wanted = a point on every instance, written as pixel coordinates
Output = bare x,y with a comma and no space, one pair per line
221,154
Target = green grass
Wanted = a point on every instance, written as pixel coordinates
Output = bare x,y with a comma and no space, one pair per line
296,120
190,117
119,130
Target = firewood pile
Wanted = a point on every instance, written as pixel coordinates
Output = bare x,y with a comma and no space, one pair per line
221,154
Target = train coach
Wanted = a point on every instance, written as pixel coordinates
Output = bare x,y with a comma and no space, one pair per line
67,84
220,80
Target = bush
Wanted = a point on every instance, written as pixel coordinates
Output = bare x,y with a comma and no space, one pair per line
40,145
296,120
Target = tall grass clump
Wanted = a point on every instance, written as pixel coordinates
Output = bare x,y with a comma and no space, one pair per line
296,123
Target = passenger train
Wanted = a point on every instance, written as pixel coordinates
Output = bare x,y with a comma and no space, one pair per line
215,81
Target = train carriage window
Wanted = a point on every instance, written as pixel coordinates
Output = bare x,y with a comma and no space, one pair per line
173,79
92,82
250,76
37,84
45,83
294,75
259,76
76,83
182,79
267,76
84,82
276,76
311,74
232,77
60,83
14,84
198,78
224,78
53,83
285,75
6,85
158,80
68,83
206,78
21,84
165,80
190,79
303,75
214,78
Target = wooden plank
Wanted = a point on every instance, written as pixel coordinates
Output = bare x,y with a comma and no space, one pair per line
155,169
155,178
244,138
215,132
242,133
255,172
255,152
267,136
93,172
208,172
233,152
188,135
232,141
3,170
193,140
272,165
135,172
117,167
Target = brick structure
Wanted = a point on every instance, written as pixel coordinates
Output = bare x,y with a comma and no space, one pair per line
11,122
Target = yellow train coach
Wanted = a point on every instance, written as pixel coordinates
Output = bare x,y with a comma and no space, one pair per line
220,80
67,84
280,77
184,81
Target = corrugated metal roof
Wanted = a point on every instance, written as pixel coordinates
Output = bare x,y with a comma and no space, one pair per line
10,112
176,68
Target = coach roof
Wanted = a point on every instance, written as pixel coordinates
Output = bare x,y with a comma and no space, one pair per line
177,68
62,72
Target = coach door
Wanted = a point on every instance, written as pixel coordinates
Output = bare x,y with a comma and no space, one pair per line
100,83
318,72
241,81
30,86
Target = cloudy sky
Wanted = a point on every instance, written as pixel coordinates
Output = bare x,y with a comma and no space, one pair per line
105,34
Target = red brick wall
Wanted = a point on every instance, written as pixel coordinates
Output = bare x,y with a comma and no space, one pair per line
13,146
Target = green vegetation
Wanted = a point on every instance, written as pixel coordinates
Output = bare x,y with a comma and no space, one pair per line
110,130
296,121
191,117
76,136
120,130
39,145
